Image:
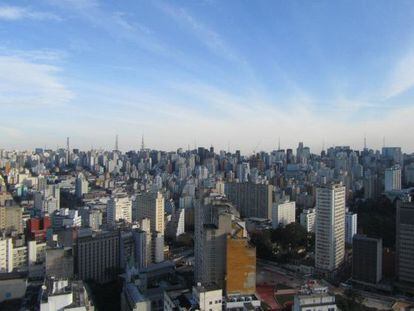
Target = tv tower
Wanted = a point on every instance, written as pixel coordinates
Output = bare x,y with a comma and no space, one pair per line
142,143
67,151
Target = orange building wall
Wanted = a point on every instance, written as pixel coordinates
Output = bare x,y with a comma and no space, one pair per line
240,267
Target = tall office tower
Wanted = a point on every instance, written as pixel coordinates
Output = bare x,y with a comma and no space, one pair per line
146,255
253,200
212,224
409,173
283,213
97,257
393,178
350,226
404,242
307,219
222,253
142,247
240,262
393,154
150,205
81,185
372,185
330,227
366,259
157,247
118,208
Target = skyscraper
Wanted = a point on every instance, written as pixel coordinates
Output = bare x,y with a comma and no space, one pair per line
253,200
119,208
404,242
81,185
330,227
366,259
150,205
393,178
350,226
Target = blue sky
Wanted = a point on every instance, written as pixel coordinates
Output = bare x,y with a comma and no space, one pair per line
238,73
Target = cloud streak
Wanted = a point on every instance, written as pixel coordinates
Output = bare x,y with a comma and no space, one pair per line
29,84
14,13
402,76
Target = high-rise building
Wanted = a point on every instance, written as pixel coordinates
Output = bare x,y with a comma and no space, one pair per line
393,178
350,226
81,185
11,218
97,257
404,242
240,263
330,227
252,200
223,255
307,219
150,205
393,154
366,259
283,213
119,208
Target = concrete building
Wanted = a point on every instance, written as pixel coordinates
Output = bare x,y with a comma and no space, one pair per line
307,219
404,242
283,213
97,257
240,263
213,221
313,297
133,300
11,218
62,294
330,227
208,297
393,178
366,259
150,205
119,208
351,220
12,285
252,200
81,185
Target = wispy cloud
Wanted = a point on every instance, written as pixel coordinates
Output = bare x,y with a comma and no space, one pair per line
207,36
402,76
41,55
29,84
13,13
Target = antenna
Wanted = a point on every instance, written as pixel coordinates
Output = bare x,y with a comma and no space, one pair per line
116,142
142,143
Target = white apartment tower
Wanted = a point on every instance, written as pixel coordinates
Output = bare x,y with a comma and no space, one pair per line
307,219
330,227
119,208
150,205
283,214
81,185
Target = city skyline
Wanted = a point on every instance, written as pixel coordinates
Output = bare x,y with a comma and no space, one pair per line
206,73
